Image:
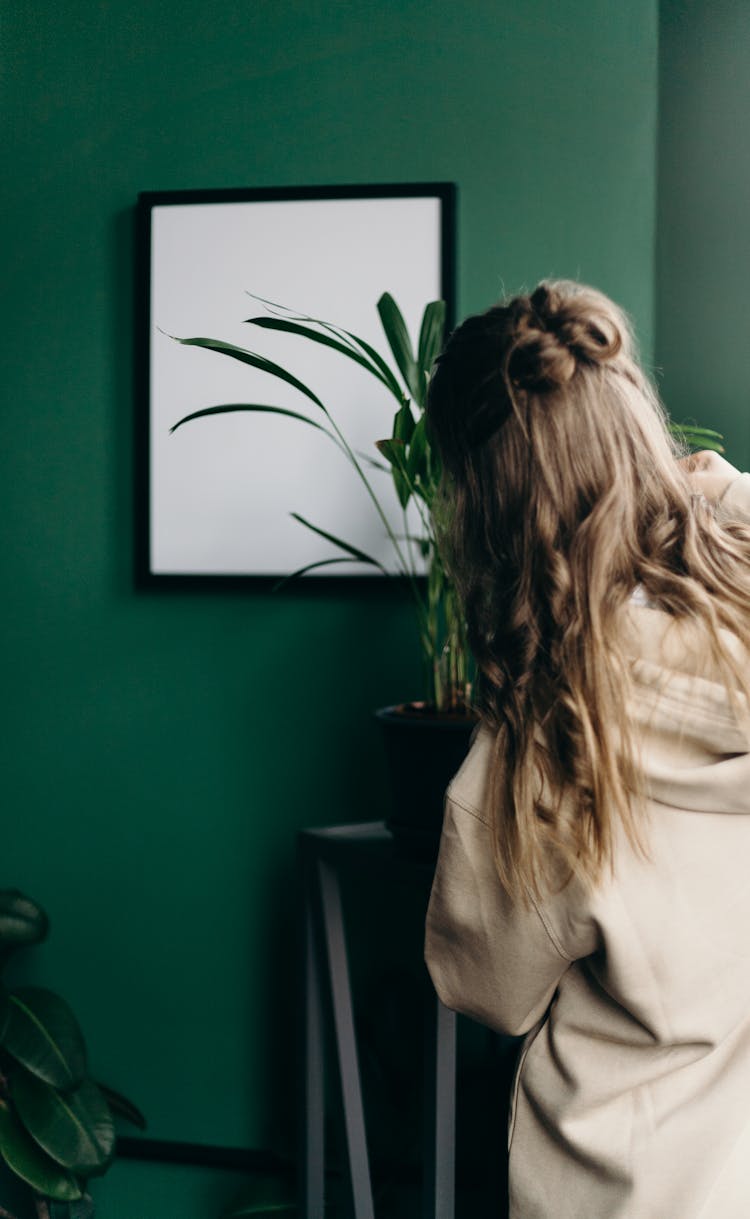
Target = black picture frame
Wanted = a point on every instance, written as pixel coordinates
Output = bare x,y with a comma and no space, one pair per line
154,209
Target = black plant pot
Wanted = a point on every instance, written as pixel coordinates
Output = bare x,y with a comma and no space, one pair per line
424,749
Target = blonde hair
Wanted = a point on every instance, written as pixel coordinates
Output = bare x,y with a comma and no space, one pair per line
562,494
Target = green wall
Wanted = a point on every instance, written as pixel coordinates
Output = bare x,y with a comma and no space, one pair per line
160,749
702,340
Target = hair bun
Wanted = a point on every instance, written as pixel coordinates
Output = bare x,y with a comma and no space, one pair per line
557,329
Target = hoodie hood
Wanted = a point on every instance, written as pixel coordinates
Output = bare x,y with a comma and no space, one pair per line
695,749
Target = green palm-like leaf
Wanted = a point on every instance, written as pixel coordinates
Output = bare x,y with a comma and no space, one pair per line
399,343
29,1162
697,438
372,463
287,326
431,334
430,342
302,571
421,541
339,333
255,361
40,1031
416,460
394,451
75,1128
376,357
403,423
229,408
357,554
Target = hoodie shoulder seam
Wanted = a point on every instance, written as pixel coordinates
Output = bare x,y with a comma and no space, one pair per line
467,808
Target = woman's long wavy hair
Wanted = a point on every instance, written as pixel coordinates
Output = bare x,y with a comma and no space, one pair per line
561,495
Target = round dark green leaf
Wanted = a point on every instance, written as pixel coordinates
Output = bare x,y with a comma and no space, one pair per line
40,1031
22,921
121,1106
266,1194
75,1128
28,1161
82,1209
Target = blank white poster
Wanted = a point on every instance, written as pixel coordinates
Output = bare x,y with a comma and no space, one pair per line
222,488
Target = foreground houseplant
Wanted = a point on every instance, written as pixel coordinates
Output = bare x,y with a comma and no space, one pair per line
56,1123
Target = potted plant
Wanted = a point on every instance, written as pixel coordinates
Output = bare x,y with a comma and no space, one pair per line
56,1123
426,738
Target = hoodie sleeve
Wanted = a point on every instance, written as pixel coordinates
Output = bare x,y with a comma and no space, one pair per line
488,957
736,499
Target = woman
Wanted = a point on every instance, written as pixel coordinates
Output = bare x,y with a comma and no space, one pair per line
593,884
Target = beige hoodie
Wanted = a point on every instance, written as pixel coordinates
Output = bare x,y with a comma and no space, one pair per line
632,1096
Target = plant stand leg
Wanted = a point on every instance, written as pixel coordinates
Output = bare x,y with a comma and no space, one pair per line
440,1104
312,1184
346,1047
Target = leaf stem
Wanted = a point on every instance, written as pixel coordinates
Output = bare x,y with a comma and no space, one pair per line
405,570
409,541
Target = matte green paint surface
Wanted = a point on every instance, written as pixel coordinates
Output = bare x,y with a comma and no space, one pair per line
133,1190
161,749
703,320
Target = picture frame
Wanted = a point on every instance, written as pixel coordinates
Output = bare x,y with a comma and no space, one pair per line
214,499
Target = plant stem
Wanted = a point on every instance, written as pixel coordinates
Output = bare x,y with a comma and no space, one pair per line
6,1214
384,519
409,542
378,507
42,1207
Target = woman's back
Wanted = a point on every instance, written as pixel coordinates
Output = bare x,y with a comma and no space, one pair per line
633,1092
590,890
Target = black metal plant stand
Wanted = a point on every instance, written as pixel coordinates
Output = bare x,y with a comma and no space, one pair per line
328,997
